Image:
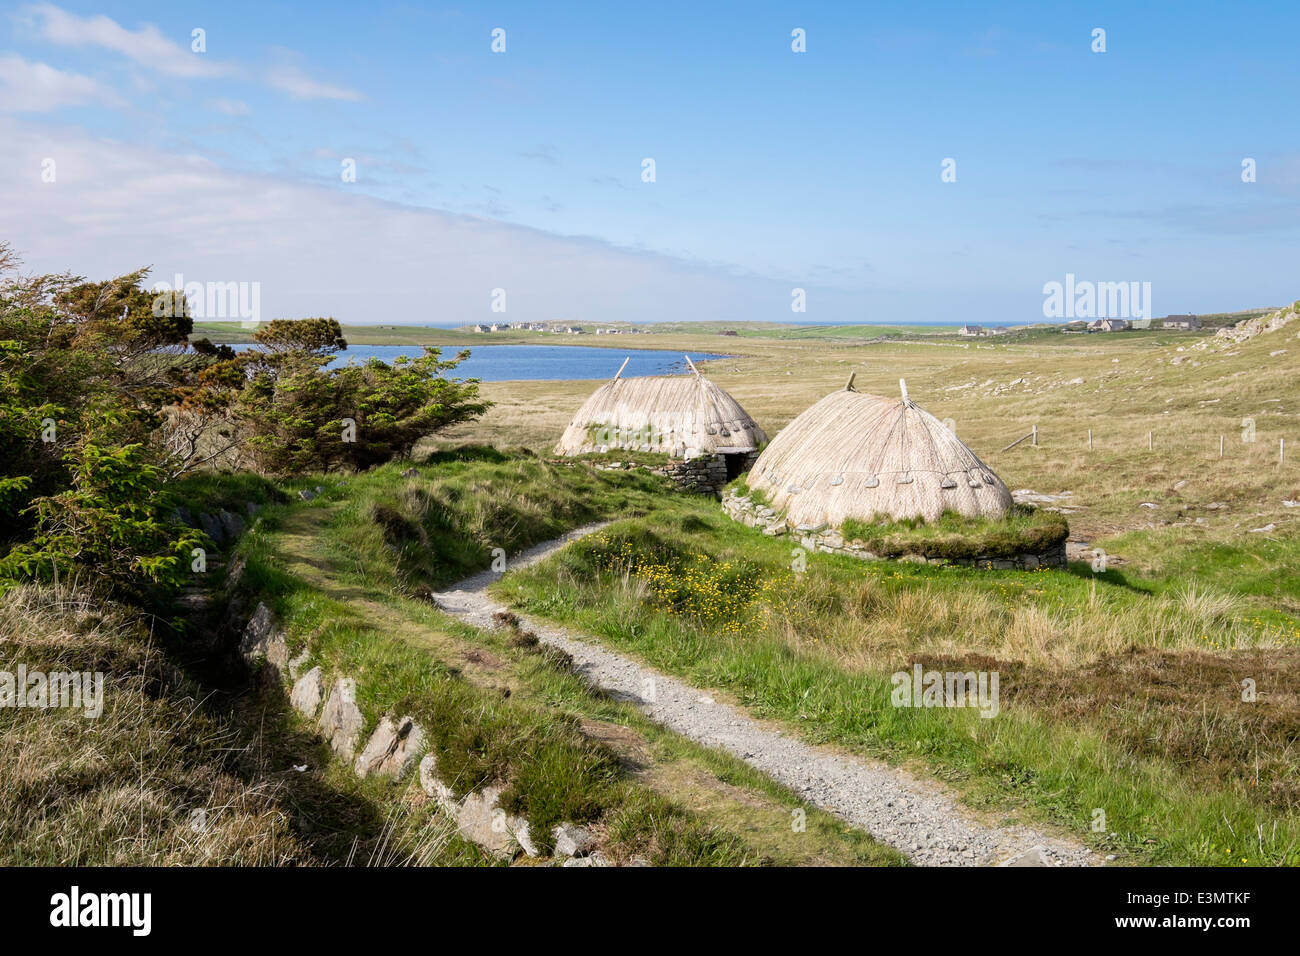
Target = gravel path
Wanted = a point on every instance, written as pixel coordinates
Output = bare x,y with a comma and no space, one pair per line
916,816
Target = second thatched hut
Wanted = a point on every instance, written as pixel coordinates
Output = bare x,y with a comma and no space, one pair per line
858,456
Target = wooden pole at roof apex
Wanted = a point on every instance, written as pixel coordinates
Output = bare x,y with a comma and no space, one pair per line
902,387
848,386
623,366
691,364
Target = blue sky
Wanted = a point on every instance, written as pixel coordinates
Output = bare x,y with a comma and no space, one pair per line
774,170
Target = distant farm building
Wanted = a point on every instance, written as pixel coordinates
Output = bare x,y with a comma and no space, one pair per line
1108,325
1181,322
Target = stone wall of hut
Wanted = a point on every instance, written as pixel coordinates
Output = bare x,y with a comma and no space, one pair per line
705,474
829,541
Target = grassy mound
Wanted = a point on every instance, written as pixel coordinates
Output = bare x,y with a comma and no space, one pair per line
1025,530
451,516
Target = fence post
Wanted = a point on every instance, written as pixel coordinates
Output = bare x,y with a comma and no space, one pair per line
1220,446
1035,433
1150,442
1089,439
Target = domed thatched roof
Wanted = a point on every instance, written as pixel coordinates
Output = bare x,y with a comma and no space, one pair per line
860,456
684,416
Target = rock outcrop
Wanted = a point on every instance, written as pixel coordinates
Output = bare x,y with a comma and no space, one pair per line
262,641
391,750
307,693
341,720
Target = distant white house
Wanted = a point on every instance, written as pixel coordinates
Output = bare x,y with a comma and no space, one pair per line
971,330
1181,322
1108,325
480,328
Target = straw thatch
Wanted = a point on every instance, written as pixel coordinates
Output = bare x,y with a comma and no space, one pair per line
683,416
860,456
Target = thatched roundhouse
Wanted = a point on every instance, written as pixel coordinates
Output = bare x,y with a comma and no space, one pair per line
683,416
860,456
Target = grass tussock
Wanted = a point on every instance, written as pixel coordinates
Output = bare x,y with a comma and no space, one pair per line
465,507
172,773
154,780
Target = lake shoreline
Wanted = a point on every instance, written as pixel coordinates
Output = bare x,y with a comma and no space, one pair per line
552,362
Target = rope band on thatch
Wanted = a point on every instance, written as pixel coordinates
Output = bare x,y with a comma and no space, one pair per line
854,455
684,416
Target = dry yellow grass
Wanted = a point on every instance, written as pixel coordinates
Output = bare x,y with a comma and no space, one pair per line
995,392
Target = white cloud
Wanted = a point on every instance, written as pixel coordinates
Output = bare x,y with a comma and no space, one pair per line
27,87
332,251
291,80
146,46
149,48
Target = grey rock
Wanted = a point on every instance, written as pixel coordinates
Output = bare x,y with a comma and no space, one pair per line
262,641
232,526
340,719
391,750
520,830
1034,856
433,786
235,571
211,526
307,692
595,859
306,495
295,665
481,820
571,840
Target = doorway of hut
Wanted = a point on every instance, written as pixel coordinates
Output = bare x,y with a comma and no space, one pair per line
735,465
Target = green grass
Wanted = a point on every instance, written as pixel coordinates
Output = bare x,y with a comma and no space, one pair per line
228,491
465,506
1025,530
1089,718
499,709
552,773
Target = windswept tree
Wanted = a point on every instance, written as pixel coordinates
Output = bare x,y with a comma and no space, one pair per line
300,415
104,402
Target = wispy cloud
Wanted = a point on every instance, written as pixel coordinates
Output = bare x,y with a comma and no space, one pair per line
290,79
27,87
426,265
146,46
